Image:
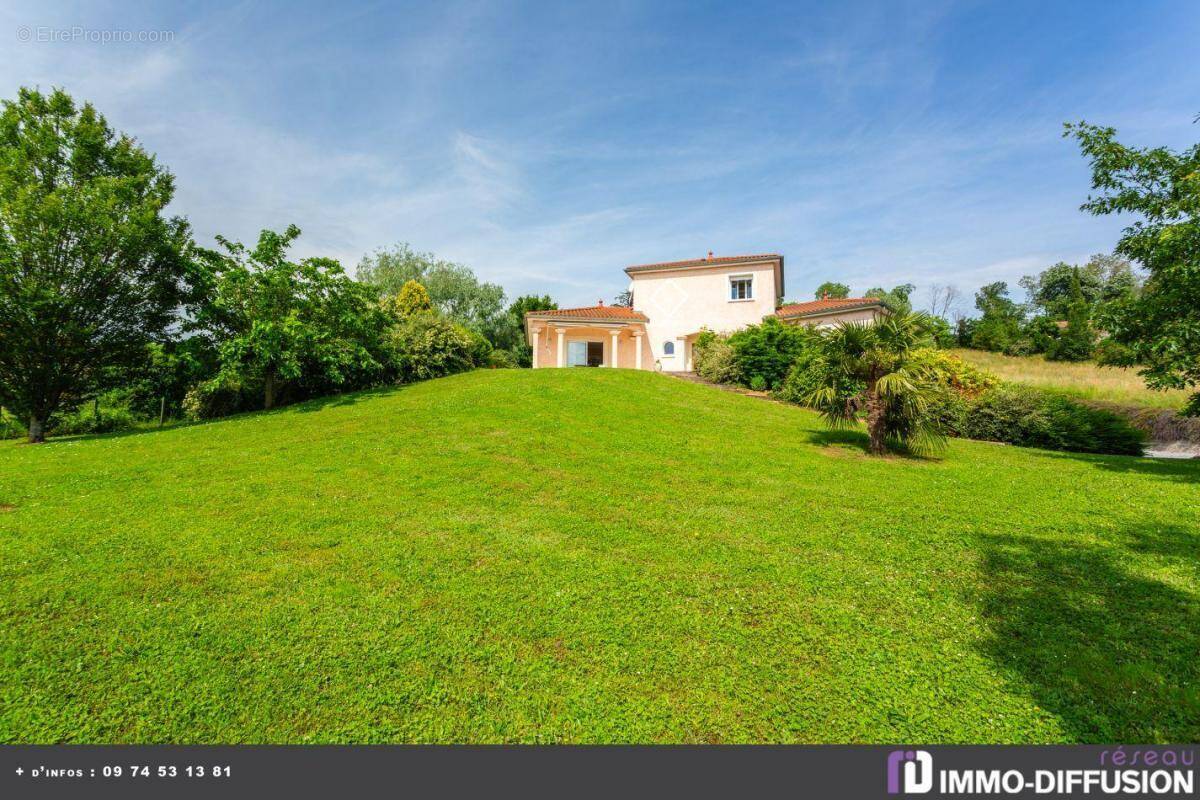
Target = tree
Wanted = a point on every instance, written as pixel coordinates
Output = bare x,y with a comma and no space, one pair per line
91,271
999,325
453,288
412,299
276,322
624,299
869,367
1078,339
512,336
895,301
1160,326
943,299
832,290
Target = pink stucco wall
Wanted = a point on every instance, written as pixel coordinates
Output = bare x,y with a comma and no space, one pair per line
680,303
547,355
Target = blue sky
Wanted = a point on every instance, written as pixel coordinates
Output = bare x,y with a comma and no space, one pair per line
549,145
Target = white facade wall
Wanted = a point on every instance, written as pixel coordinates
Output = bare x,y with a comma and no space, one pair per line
681,302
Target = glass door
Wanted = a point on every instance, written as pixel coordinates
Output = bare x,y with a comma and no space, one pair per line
577,354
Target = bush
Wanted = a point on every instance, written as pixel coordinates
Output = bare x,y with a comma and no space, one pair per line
481,348
10,426
90,419
426,346
214,398
942,334
501,359
953,373
714,358
1029,417
1111,353
758,383
768,350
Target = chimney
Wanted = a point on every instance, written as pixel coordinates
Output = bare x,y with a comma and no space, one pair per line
599,302
710,255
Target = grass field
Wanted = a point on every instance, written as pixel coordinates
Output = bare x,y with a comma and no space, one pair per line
1084,379
588,556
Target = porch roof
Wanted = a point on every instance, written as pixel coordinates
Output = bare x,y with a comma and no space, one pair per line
826,305
597,313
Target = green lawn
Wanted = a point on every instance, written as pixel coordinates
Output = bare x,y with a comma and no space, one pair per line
1085,379
588,556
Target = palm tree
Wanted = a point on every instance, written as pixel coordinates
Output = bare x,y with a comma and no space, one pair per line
868,367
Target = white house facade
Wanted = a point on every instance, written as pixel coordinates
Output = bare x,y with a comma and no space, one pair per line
672,302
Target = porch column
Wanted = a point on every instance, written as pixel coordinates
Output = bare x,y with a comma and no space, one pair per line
535,333
615,349
681,351
562,353
637,345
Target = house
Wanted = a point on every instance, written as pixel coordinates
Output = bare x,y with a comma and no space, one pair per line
672,302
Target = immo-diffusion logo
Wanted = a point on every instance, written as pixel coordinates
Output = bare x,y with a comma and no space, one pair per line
910,771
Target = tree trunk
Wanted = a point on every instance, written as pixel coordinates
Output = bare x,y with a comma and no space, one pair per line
269,389
37,429
875,422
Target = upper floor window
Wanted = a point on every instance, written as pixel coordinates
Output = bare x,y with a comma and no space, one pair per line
741,287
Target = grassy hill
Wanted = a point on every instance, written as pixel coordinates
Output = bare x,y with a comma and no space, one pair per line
1084,379
587,556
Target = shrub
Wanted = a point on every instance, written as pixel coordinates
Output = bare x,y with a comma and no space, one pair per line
1008,413
10,426
501,359
1029,417
90,418
426,346
481,348
714,358
1111,353
952,372
758,383
768,350
214,398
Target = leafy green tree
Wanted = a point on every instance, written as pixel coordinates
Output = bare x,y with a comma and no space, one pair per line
278,323
412,299
1160,326
1078,339
1103,278
832,290
871,369
512,333
1054,289
453,288
624,299
91,271
999,323
897,300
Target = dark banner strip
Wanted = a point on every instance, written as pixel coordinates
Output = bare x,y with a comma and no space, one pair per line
536,772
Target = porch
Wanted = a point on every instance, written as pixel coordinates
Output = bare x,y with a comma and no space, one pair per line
599,336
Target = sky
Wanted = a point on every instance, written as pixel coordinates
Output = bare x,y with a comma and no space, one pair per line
547,146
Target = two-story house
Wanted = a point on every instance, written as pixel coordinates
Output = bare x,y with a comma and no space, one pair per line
672,302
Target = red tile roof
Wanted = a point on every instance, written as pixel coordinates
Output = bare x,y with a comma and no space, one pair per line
702,262
827,305
592,312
